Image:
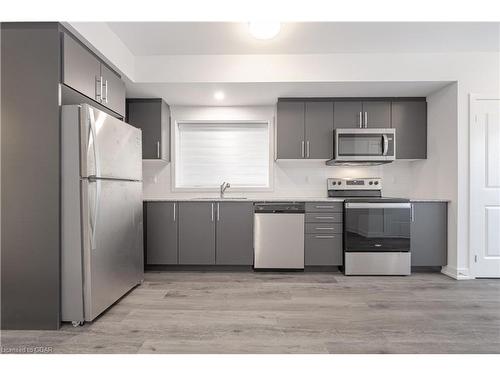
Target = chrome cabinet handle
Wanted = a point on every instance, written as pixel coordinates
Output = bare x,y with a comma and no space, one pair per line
412,213
324,236
106,91
98,88
360,120
324,228
324,206
175,205
212,212
307,149
302,148
158,149
218,210
325,217
366,119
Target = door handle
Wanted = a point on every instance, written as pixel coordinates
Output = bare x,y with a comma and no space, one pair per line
302,148
325,217
218,210
385,146
324,228
307,149
98,88
106,91
360,120
212,212
324,236
366,119
93,223
175,205
158,149
412,213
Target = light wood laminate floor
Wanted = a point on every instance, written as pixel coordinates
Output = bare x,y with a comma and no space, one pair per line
246,312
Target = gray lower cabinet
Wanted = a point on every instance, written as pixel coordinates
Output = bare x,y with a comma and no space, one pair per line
152,116
429,234
161,232
234,234
113,91
409,118
323,249
323,234
197,233
290,142
319,130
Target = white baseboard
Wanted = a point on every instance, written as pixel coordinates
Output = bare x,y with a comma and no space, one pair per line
457,273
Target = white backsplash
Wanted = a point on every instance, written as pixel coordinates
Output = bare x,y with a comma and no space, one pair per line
291,179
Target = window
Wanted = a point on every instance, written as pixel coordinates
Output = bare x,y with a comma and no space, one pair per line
208,153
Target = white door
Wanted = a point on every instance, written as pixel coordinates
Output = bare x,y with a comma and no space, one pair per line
485,186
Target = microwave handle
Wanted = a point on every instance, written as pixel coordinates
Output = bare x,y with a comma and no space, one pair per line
385,148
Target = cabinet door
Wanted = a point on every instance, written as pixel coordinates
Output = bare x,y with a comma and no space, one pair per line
319,130
290,142
196,233
347,114
146,115
323,250
113,90
165,131
428,242
81,69
377,114
161,232
410,121
234,233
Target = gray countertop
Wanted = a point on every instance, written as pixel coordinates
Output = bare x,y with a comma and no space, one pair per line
271,199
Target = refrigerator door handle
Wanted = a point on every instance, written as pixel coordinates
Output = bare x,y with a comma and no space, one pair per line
93,134
94,217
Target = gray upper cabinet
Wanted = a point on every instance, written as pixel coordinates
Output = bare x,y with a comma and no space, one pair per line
87,74
362,114
113,90
290,142
348,114
234,233
429,234
409,118
377,114
81,69
161,232
197,233
153,117
319,130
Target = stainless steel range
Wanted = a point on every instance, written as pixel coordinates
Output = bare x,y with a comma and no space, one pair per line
376,229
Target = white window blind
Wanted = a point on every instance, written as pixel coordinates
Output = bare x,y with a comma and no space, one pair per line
210,153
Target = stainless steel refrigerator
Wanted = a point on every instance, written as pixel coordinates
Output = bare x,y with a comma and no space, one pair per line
101,221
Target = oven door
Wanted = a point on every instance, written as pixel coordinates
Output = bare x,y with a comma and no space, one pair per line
365,144
377,227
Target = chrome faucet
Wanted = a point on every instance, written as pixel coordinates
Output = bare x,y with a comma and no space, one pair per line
223,188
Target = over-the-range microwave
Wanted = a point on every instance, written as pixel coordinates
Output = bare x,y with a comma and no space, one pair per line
363,146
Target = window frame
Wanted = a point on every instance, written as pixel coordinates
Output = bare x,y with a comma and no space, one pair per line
175,156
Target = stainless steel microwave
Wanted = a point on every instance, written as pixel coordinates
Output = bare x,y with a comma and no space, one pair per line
363,146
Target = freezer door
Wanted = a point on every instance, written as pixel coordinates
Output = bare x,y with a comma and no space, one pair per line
110,148
113,242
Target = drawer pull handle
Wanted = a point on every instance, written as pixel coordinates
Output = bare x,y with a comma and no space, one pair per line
324,228
325,207
325,236
325,217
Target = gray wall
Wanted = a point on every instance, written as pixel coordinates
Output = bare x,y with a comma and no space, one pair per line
30,148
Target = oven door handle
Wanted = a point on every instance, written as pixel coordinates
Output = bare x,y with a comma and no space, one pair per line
377,205
385,146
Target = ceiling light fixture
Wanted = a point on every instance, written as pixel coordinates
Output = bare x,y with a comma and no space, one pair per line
264,30
219,95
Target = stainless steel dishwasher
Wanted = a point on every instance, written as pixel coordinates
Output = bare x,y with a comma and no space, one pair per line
279,235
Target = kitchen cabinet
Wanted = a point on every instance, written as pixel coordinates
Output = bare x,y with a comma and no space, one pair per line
234,233
161,221
429,234
153,117
304,130
197,233
323,234
409,118
87,74
362,114
290,142
319,130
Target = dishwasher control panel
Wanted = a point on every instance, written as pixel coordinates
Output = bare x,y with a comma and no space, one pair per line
279,207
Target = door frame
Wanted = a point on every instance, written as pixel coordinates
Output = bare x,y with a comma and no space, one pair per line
473,97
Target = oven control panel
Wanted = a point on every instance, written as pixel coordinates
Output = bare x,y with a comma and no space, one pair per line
371,183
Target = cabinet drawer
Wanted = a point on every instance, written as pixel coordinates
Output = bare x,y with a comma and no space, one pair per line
324,206
324,217
323,250
324,228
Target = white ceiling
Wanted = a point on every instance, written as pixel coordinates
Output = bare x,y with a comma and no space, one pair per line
193,38
266,93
